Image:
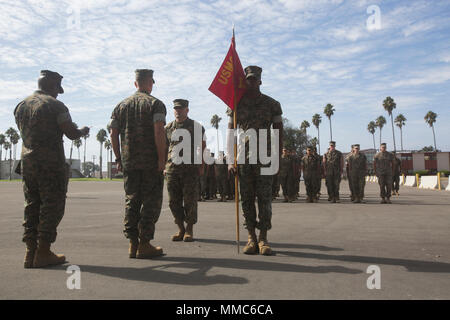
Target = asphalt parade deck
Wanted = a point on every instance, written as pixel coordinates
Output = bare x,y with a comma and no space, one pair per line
322,251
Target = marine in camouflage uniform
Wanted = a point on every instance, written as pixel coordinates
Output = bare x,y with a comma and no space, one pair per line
357,172
139,120
42,121
311,170
256,111
318,184
383,165
211,180
297,159
333,163
347,171
182,179
222,178
286,176
396,175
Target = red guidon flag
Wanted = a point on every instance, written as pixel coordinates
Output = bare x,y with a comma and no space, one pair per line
229,83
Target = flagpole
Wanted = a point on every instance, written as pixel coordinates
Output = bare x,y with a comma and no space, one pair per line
236,178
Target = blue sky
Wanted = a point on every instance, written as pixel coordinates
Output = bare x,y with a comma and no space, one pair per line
312,52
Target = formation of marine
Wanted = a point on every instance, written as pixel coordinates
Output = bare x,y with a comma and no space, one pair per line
146,147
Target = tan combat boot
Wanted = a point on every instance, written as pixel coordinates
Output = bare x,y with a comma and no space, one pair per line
146,250
263,244
134,243
189,235
388,200
44,257
251,247
29,254
180,234
383,200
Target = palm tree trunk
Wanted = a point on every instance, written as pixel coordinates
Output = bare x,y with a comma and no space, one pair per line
1,150
373,137
401,138
10,157
217,142
380,136
84,159
101,169
71,149
110,165
318,138
434,137
393,134
331,131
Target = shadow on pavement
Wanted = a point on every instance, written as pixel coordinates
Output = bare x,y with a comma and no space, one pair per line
273,245
410,265
201,266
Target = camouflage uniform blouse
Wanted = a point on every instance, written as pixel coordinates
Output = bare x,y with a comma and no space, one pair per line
333,161
189,125
259,113
135,118
38,118
383,161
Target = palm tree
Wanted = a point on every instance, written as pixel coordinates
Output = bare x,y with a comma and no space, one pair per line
78,143
215,123
101,137
14,137
71,146
84,157
2,142
329,111
400,122
371,127
316,120
6,146
108,147
305,125
313,141
430,118
389,105
380,122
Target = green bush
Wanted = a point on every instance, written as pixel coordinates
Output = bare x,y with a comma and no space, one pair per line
421,172
444,173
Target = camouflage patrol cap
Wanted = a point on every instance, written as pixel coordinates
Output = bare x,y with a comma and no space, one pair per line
383,144
51,77
333,143
141,74
356,146
180,103
253,71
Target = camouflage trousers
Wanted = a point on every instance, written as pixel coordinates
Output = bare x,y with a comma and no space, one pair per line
358,184
182,186
275,185
385,182
332,181
318,184
396,182
252,185
311,182
143,201
288,185
45,200
222,185
350,184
